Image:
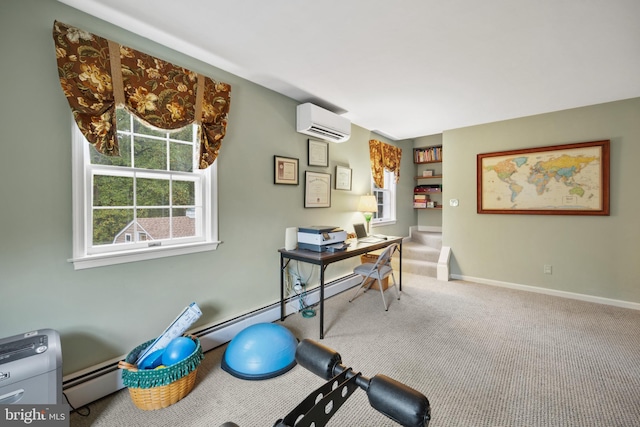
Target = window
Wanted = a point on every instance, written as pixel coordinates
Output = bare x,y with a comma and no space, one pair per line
150,202
386,198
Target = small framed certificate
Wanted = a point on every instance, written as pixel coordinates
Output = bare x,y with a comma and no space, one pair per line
318,153
343,178
285,170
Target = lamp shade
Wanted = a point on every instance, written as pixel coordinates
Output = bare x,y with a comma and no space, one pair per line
368,203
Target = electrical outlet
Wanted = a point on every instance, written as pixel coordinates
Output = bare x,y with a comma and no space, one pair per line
547,269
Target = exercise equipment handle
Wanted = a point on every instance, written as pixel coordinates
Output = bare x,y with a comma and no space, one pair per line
394,399
321,360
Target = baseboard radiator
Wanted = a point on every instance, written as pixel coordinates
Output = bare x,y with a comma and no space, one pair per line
96,382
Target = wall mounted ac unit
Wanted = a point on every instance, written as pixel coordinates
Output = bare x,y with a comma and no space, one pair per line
320,123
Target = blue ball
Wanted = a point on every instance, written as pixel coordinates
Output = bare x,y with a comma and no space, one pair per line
260,351
178,349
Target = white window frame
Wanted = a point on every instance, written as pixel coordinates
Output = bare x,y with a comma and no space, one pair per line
84,257
389,200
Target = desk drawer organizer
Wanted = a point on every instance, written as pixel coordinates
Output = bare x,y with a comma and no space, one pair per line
158,388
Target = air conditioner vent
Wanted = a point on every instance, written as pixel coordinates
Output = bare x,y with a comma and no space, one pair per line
335,136
320,123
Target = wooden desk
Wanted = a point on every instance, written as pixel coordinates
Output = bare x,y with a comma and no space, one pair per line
323,259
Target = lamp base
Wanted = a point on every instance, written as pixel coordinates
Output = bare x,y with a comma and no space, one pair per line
367,217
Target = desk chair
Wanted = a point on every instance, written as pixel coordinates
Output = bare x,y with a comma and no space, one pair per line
377,271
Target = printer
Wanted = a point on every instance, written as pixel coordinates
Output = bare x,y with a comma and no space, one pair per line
31,368
318,238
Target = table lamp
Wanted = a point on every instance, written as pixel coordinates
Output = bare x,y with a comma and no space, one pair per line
368,205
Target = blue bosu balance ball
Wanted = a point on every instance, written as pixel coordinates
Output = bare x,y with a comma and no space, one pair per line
260,351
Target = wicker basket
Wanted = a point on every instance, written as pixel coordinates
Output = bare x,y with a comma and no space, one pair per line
158,388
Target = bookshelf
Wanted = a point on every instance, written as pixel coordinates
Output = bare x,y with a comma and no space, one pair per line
427,193
424,155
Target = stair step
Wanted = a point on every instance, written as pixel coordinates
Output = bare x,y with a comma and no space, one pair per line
422,268
428,238
418,251
421,253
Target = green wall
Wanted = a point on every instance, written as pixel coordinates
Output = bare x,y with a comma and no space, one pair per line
105,312
590,255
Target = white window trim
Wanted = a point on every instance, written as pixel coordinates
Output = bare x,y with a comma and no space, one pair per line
82,260
392,219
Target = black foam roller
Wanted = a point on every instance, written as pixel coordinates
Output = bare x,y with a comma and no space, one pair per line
399,402
317,358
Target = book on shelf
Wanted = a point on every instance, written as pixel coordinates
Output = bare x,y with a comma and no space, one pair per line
429,154
421,200
428,188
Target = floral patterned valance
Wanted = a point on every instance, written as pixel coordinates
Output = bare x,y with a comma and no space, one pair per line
384,156
97,75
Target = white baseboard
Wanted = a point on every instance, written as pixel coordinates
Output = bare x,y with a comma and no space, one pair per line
554,292
98,381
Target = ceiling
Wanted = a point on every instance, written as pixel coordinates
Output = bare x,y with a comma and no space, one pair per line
408,68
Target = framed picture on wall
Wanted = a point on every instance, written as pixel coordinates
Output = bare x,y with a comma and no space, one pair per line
569,179
285,170
318,153
343,178
317,190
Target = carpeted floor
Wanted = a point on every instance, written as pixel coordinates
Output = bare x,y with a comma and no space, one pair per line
483,356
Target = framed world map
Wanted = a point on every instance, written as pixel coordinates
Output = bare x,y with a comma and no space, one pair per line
569,179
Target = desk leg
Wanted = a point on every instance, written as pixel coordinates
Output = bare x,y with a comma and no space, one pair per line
400,285
282,304
322,267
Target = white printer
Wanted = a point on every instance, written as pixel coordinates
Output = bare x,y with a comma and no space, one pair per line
318,237
31,368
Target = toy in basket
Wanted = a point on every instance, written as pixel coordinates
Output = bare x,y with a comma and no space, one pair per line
158,388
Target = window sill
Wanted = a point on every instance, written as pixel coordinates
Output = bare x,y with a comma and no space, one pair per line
382,223
102,260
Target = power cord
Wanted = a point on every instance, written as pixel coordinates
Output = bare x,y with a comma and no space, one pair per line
77,410
299,276
298,285
305,310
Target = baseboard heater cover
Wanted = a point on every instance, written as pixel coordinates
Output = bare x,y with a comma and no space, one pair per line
96,382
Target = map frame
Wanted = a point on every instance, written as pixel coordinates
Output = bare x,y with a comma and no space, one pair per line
575,149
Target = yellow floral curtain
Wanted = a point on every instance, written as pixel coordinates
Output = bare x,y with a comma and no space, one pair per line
97,75
384,156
